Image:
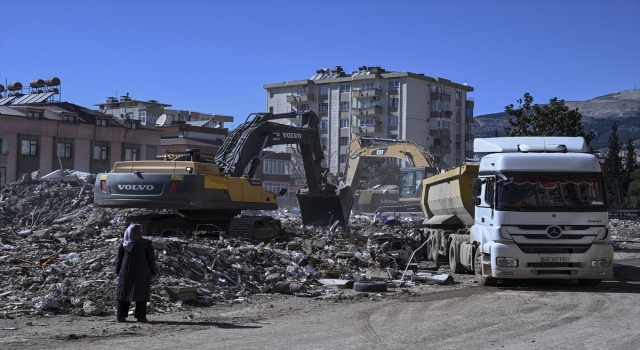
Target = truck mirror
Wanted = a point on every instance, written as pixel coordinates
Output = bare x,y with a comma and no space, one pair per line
476,187
475,201
282,192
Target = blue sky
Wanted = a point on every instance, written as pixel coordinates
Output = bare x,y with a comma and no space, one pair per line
214,56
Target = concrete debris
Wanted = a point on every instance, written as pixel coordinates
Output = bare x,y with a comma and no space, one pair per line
57,255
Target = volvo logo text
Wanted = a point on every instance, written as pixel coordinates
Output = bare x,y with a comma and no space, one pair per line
136,187
554,231
292,135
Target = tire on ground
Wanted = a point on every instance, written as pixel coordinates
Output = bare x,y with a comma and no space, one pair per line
455,266
477,265
370,286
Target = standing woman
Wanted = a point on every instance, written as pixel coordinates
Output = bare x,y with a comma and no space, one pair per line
135,268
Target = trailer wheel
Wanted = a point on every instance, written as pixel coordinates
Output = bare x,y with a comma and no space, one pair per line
477,265
589,283
454,263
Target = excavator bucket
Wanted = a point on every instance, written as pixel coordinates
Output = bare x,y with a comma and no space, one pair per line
323,209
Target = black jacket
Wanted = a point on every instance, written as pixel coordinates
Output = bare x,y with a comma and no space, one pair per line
135,269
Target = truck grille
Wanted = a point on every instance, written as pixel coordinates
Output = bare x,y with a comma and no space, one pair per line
553,248
552,264
539,236
563,227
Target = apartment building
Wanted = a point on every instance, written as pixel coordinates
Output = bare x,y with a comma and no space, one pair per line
44,137
153,112
374,102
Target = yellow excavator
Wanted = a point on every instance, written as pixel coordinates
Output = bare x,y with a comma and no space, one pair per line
407,198
209,192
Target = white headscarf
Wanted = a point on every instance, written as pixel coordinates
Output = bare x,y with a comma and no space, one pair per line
130,238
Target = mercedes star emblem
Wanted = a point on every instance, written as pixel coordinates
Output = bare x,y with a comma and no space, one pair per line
554,231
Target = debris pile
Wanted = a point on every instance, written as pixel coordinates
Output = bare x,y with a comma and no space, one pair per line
57,255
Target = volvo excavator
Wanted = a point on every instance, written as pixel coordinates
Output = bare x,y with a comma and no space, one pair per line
421,165
209,192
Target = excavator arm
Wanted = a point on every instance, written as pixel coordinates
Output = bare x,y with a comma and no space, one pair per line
320,203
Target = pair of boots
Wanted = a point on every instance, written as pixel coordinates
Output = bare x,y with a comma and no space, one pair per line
123,311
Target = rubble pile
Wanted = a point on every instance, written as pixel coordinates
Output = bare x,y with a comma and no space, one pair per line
57,255
625,229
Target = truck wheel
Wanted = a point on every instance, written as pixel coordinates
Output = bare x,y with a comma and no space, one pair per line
455,266
477,265
589,283
430,250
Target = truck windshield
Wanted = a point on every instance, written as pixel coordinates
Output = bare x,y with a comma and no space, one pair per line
544,193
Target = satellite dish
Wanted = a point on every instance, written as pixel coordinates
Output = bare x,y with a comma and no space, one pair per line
161,120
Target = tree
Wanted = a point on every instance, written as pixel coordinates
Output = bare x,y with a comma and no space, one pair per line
378,171
553,119
613,170
496,134
632,201
630,163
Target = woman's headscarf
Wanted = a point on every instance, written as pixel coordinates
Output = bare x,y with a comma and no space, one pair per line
130,238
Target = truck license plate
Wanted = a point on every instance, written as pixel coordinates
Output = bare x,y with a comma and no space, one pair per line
555,259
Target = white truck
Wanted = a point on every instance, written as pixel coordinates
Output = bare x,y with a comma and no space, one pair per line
533,207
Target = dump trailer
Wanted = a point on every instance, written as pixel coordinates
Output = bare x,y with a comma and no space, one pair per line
209,192
529,208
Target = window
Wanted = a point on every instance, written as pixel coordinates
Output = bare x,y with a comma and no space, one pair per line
68,118
343,158
302,108
469,129
64,150
392,136
367,86
394,102
457,161
275,187
129,115
344,106
271,94
436,159
458,111
131,154
368,104
446,142
29,148
436,124
469,112
345,87
2,151
142,113
33,115
458,128
343,141
344,123
324,90
100,152
324,107
394,84
323,142
271,109
437,142
457,145
324,125
439,105
393,121
3,176
275,166
302,91
102,122
468,145
367,122
446,124
436,90
458,94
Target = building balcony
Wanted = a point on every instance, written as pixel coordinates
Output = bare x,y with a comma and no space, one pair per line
440,114
366,94
470,102
367,112
440,96
366,130
439,150
297,99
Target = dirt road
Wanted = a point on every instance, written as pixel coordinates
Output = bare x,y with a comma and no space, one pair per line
531,315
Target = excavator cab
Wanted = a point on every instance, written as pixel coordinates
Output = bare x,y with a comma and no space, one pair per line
410,186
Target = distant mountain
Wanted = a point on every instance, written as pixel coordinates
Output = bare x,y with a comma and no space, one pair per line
598,114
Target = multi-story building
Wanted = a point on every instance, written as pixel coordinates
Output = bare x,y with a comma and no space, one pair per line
47,136
378,103
152,111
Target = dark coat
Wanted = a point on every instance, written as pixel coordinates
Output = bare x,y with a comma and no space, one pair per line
134,270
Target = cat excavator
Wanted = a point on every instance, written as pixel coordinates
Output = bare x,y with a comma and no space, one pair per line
407,198
209,192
